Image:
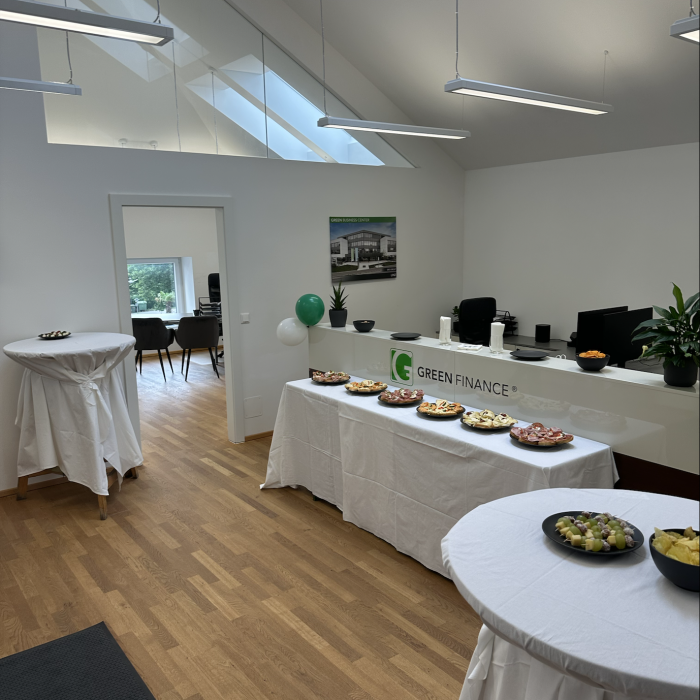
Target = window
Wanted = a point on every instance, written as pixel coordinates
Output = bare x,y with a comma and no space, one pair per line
155,286
221,87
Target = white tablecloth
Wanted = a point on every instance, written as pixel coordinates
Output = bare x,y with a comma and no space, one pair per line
406,478
571,627
72,409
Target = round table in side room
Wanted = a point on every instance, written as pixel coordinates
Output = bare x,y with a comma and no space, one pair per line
72,411
563,625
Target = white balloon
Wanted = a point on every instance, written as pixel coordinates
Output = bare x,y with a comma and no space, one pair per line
292,331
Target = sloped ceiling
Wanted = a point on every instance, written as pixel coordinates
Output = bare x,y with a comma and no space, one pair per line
407,49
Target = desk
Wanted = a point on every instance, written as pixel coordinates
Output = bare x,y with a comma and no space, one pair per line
406,478
567,626
72,409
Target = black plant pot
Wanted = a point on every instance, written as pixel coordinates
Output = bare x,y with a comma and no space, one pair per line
338,317
685,375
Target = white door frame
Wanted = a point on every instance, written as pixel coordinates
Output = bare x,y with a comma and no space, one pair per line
228,262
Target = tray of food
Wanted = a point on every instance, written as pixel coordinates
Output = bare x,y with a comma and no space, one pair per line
676,553
488,420
441,409
402,397
596,534
368,386
536,435
54,335
330,377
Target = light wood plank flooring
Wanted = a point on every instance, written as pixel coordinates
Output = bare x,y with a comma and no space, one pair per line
216,589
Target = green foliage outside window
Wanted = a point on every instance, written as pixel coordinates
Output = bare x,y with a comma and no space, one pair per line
153,283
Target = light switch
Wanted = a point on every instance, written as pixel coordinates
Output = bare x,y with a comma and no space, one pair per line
245,318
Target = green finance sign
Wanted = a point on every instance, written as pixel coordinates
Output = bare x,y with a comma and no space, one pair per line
402,366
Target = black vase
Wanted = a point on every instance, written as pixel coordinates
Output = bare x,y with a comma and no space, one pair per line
338,317
685,375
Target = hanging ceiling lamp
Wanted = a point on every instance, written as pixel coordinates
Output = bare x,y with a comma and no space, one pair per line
462,86
329,122
72,20
687,29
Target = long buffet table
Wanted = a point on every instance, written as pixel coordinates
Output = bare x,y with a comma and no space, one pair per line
635,413
407,478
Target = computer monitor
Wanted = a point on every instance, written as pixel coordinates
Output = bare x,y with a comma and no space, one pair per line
590,329
618,329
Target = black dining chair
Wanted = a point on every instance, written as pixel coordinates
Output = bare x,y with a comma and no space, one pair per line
152,334
198,332
475,319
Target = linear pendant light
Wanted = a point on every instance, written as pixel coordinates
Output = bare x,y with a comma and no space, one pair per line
40,86
328,122
383,127
687,29
462,86
72,20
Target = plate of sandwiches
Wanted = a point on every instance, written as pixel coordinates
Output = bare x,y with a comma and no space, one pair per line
368,386
441,409
488,420
536,435
330,377
402,397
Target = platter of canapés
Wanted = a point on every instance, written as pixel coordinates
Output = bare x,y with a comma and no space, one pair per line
536,435
330,377
54,335
596,534
368,386
441,409
488,420
402,397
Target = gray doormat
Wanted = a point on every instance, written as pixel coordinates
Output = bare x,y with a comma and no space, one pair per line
87,665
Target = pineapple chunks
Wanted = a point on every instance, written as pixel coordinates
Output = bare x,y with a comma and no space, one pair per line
684,548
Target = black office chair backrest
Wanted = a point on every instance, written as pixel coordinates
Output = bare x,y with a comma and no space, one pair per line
214,287
198,332
151,334
475,319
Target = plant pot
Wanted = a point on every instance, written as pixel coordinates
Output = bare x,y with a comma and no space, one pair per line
338,317
455,327
685,375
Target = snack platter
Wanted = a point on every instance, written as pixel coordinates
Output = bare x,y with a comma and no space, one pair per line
536,435
593,534
441,409
488,420
330,378
402,397
54,335
368,386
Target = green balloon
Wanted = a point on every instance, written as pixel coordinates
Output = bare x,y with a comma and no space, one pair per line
310,309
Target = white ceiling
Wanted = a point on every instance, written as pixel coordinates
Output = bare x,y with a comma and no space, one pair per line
406,48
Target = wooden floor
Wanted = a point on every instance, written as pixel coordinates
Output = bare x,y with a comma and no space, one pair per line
216,589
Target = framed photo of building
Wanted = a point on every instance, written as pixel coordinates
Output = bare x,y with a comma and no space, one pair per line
363,248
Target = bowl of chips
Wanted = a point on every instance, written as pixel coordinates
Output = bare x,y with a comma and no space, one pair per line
592,361
676,555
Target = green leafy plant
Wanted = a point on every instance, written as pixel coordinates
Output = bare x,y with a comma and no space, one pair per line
338,298
674,336
165,300
455,311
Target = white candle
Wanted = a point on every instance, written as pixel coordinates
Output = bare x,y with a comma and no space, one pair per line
497,330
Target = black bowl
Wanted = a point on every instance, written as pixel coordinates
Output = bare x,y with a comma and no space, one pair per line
683,575
363,326
592,364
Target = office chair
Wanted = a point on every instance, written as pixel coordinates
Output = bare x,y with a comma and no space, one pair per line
475,319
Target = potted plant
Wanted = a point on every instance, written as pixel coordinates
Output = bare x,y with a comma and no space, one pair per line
455,325
337,311
674,338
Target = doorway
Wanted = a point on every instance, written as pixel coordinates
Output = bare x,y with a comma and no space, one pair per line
176,243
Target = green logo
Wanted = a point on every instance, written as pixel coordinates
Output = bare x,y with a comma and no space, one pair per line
402,366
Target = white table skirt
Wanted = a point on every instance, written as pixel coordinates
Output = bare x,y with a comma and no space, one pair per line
72,409
409,479
555,612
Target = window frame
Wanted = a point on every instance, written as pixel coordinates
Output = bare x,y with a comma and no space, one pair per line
179,286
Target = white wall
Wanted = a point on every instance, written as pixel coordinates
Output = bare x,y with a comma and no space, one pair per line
56,259
175,232
553,238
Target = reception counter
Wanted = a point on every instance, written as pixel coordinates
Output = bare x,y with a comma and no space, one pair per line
635,413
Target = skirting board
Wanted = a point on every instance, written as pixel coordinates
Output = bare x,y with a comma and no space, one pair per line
258,436
35,486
